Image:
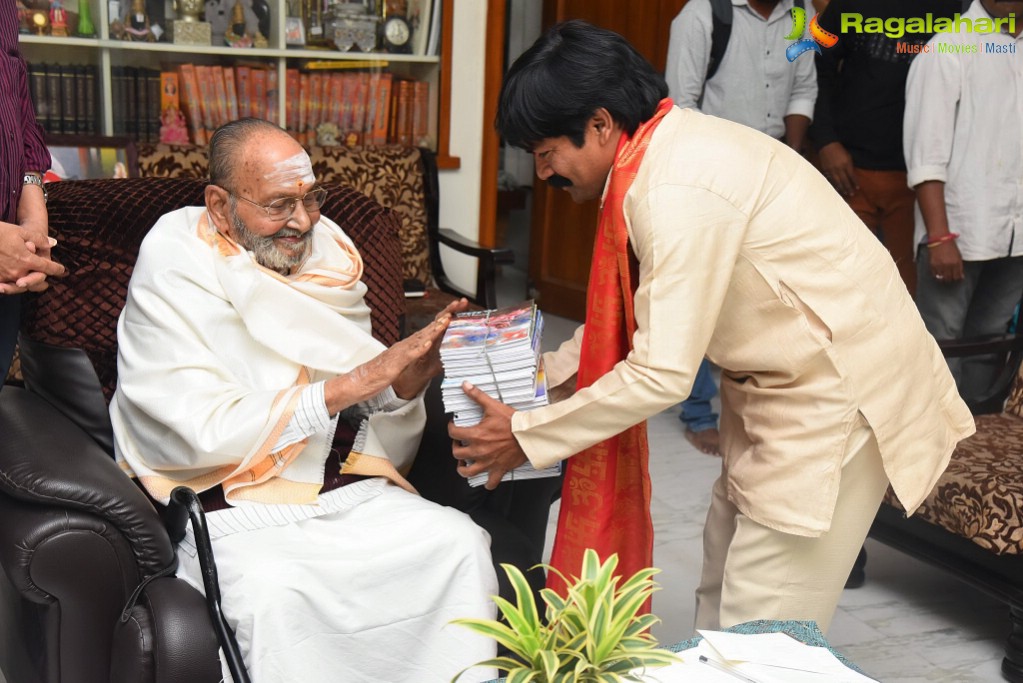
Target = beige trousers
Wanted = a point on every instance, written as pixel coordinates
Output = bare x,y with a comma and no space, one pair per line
753,572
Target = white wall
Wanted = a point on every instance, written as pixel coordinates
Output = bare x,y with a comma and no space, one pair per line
524,23
460,189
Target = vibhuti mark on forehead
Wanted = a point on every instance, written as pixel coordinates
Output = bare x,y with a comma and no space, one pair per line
295,169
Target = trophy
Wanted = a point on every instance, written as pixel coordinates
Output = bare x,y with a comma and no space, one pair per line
189,27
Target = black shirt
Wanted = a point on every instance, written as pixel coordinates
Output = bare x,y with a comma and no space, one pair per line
862,81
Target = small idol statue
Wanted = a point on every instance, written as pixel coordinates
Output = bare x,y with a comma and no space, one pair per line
136,24
172,127
58,19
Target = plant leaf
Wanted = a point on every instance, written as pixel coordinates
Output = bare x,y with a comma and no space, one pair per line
498,631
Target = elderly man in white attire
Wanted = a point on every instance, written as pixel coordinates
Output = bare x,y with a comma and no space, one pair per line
246,370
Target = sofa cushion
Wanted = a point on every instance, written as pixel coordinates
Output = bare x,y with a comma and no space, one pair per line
160,160
393,176
980,494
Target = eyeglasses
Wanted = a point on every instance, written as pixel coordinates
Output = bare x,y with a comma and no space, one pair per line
284,208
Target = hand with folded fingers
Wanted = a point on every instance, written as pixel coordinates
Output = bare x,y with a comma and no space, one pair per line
24,264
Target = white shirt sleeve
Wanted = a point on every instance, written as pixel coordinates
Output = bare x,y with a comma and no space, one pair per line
804,89
933,89
689,53
311,414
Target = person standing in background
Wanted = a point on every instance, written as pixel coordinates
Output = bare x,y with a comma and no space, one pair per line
857,121
25,261
964,156
752,83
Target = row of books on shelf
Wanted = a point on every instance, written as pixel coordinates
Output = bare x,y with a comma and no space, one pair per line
322,107
187,103
64,97
362,107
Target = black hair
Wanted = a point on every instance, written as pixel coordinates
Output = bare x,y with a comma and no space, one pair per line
572,70
228,141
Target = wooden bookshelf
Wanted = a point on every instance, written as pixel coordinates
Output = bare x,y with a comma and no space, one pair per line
107,55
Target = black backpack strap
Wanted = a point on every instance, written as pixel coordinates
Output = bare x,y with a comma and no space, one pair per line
966,5
801,4
721,22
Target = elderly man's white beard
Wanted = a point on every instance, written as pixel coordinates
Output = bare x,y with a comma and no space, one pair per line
267,252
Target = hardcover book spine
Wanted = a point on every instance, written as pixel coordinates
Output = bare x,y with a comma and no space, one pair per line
231,90
138,121
207,100
69,115
304,102
258,104
273,114
91,78
82,111
53,103
383,111
293,84
193,109
242,83
153,93
421,114
219,95
37,84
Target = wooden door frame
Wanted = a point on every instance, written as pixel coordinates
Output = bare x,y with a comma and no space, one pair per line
493,74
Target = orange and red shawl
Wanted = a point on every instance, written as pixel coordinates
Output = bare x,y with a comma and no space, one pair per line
605,504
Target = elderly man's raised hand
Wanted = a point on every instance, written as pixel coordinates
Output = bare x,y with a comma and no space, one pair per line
393,367
417,375
25,265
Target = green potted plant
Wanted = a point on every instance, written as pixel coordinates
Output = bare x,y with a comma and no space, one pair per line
594,634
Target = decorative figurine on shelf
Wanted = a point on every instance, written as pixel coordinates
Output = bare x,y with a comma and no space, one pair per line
58,19
86,29
237,35
327,134
24,18
40,20
261,8
136,24
189,10
189,28
173,129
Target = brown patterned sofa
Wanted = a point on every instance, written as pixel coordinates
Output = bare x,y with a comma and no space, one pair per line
401,178
972,523
87,591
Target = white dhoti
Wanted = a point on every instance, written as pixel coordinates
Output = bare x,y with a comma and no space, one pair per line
364,594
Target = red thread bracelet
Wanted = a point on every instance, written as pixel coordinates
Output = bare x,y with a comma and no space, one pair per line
931,243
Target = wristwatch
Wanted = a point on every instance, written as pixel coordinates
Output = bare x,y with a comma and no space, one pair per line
35,179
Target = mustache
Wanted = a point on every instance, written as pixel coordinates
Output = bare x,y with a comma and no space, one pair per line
559,181
292,232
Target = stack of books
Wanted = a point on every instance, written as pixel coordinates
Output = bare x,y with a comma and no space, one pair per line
499,352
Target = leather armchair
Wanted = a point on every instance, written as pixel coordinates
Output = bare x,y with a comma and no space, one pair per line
88,591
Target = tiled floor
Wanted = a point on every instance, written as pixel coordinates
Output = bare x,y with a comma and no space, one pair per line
909,623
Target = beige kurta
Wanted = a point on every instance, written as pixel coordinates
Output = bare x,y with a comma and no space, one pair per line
746,254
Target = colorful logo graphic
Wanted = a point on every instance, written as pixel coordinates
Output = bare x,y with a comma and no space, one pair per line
818,37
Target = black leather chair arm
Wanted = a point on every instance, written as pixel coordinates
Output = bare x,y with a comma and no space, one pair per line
489,259
47,460
173,615
1007,349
